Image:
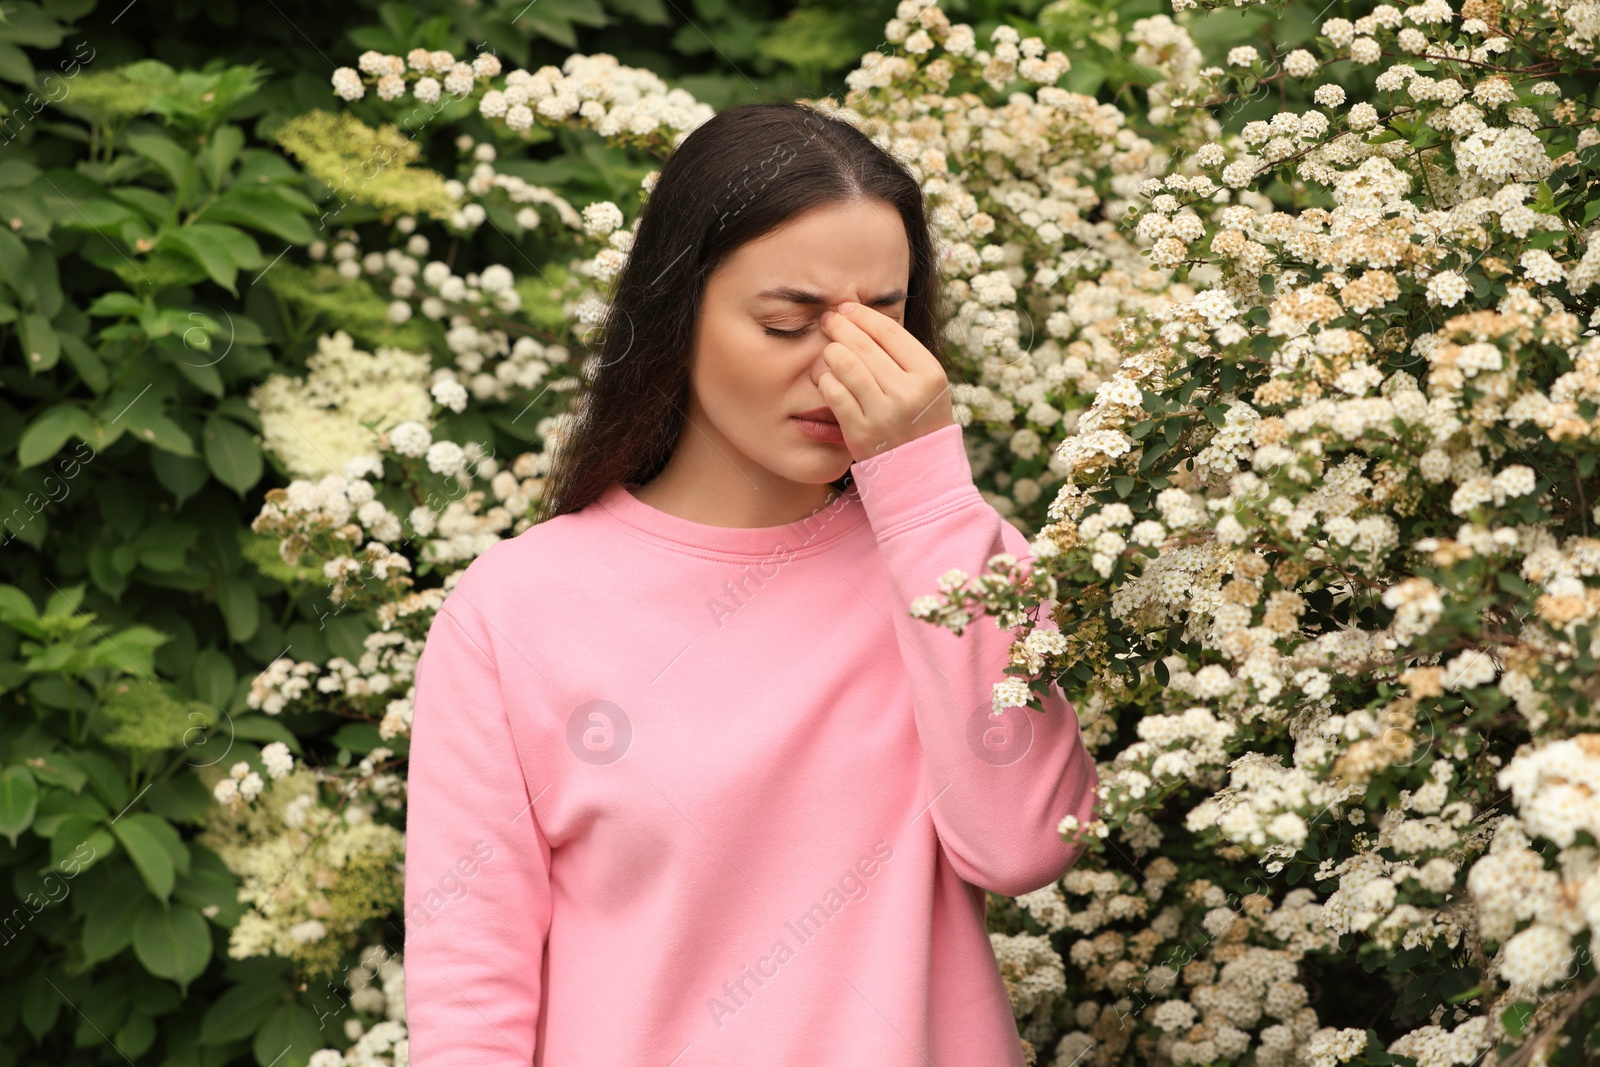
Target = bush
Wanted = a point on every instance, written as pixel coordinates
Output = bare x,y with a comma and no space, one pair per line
1287,364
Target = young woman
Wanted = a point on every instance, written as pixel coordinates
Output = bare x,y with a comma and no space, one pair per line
689,786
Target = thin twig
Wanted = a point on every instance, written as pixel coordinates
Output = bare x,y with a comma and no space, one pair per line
1525,1052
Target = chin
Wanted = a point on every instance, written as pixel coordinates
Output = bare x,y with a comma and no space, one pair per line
811,471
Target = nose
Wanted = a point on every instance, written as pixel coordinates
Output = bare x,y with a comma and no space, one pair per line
818,364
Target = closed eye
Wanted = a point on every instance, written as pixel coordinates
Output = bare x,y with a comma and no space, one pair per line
786,333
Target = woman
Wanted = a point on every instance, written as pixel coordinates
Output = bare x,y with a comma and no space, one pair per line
688,784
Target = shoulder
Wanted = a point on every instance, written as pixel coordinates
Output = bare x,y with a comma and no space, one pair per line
513,570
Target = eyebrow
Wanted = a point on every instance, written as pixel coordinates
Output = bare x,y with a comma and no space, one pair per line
803,296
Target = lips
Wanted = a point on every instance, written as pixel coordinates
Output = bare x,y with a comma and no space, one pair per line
818,415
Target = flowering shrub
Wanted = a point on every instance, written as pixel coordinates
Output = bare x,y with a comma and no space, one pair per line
1327,529
1301,417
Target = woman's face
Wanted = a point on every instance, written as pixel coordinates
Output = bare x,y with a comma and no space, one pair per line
758,351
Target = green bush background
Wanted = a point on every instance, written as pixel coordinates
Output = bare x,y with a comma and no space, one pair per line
153,269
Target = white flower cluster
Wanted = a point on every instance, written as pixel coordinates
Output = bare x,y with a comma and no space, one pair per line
244,784
317,422
1284,548
628,104
489,365
293,851
377,988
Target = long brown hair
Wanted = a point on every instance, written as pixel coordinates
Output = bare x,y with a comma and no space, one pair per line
737,176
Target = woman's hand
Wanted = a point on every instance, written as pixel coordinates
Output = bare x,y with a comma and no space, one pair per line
883,384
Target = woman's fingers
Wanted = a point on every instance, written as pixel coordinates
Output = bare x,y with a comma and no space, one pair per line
896,384
853,371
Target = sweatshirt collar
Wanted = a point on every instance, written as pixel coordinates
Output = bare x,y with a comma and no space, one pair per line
820,530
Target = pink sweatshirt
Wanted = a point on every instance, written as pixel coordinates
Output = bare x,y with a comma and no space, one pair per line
702,796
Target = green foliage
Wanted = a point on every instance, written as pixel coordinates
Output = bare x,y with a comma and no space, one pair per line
349,304
155,217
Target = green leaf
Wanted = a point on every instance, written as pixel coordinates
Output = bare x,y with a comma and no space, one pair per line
221,250
1152,452
17,172
107,780
164,546
96,215
261,209
209,253
358,737
239,1013
62,603
150,857
15,66
16,607
372,38
209,882
79,842
29,26
56,806
171,157
182,476
216,156
16,268
215,676
240,607
232,453
59,768
134,1037
108,925
288,1038
19,800
154,206
131,651
1513,584
50,431
121,304
40,345
174,942
204,376
46,274
86,361
183,798
150,424
1515,1018
164,832
24,210
1123,485
263,728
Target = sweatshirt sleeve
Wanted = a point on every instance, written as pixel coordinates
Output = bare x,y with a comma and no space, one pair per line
999,786
477,881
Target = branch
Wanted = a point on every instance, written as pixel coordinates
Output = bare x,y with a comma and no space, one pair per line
1525,1053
